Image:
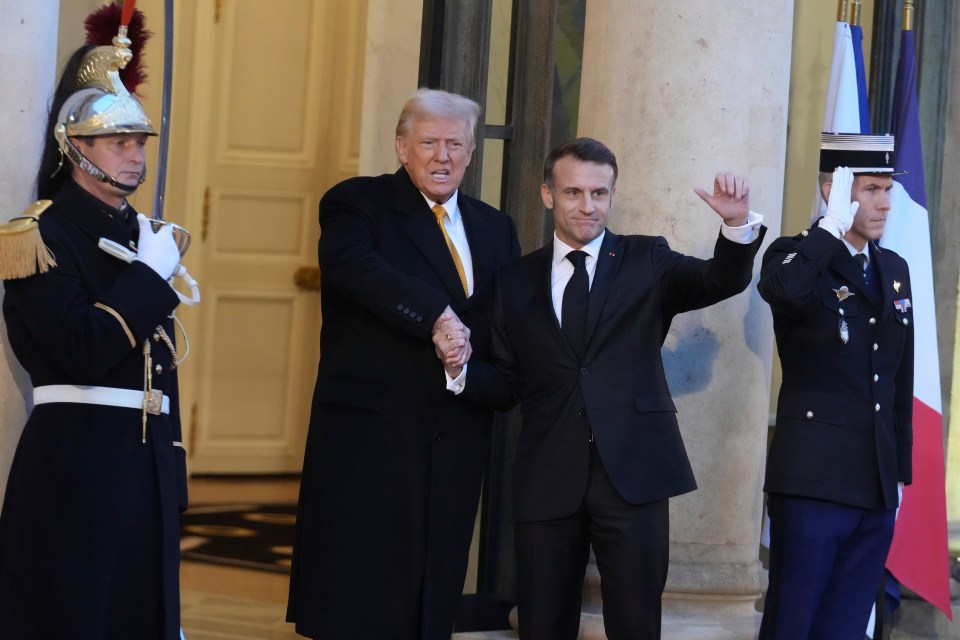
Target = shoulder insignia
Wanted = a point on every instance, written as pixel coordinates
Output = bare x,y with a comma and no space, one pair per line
22,252
789,258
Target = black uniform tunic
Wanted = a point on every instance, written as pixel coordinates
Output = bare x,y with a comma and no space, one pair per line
88,533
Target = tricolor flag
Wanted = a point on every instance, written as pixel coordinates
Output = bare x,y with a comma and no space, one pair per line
846,99
918,557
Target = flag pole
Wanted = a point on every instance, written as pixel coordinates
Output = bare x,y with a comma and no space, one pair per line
908,15
842,10
856,13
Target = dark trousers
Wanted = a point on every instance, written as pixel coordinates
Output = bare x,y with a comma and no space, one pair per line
632,547
826,565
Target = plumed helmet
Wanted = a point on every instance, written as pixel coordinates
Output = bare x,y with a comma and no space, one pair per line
102,105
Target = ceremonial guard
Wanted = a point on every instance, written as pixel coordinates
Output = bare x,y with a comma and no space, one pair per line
89,542
843,440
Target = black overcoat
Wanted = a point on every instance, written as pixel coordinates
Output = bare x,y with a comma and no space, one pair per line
844,413
393,465
89,539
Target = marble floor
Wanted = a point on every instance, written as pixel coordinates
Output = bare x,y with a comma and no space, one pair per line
223,603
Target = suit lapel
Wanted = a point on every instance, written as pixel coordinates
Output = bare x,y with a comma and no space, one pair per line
884,279
477,239
608,263
543,295
422,229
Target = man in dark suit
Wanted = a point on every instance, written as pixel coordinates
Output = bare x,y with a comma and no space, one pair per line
843,439
577,332
393,464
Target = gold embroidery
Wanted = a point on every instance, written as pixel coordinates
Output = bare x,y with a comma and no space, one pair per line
123,323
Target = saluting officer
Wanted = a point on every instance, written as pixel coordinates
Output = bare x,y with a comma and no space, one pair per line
89,542
842,446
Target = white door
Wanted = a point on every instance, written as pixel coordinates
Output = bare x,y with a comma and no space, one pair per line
275,94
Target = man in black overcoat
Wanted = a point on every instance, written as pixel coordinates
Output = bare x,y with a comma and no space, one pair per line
577,332
843,440
393,465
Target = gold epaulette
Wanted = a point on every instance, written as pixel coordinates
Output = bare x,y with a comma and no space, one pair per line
22,252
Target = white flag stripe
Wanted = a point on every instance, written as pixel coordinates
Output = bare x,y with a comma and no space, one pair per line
842,111
907,233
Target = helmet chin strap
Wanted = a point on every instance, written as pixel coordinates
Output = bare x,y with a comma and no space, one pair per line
73,152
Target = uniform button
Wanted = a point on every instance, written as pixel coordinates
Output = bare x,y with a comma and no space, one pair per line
876,407
906,321
158,369
875,377
584,372
399,307
406,311
841,311
156,337
582,412
804,233
875,346
809,414
873,321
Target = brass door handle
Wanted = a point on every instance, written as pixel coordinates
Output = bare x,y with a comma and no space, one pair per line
307,278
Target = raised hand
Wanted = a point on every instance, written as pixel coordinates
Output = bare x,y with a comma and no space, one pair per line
730,198
840,210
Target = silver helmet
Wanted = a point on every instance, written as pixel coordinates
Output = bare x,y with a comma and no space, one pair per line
103,107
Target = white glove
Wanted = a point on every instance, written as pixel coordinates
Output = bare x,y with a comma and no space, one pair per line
157,250
840,211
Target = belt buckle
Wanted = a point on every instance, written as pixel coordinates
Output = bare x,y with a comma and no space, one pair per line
153,401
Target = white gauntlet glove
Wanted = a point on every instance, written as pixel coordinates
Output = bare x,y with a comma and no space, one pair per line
840,211
157,250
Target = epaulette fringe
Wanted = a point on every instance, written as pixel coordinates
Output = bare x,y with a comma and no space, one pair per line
22,251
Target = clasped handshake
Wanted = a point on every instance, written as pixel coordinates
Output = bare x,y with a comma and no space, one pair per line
451,338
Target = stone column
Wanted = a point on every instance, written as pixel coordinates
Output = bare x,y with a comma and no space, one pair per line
680,91
28,53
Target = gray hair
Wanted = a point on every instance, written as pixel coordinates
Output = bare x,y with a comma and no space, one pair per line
434,103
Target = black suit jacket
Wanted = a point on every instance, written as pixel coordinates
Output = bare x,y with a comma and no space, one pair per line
844,415
393,463
618,390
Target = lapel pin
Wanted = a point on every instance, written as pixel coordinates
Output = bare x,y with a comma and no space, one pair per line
896,286
843,293
612,254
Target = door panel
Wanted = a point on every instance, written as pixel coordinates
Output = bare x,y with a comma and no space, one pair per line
274,123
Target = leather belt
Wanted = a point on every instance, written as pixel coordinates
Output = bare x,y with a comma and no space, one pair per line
107,396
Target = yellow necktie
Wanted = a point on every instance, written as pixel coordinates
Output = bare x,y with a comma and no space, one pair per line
439,212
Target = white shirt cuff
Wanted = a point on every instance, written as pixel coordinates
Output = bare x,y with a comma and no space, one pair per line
456,385
745,233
